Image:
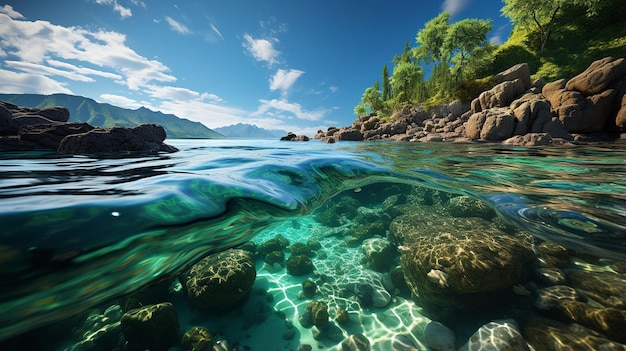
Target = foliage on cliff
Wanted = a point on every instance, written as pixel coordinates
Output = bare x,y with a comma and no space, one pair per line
556,38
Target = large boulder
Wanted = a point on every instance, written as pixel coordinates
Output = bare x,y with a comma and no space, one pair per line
491,124
143,138
598,76
349,134
153,327
520,71
220,280
49,136
501,95
458,264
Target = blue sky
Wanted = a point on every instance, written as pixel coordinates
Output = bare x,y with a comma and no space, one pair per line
283,64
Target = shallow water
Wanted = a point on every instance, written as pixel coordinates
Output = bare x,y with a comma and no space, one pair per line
78,231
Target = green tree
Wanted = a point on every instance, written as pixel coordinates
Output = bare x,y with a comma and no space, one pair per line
405,81
360,110
386,85
372,99
431,39
541,14
462,40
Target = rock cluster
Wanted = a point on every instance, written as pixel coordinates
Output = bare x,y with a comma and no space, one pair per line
48,128
592,102
294,137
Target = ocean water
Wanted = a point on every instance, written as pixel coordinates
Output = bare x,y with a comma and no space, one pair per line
79,232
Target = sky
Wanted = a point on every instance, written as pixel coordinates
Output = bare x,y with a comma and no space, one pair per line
298,66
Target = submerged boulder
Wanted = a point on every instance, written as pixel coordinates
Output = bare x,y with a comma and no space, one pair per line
220,280
458,264
153,327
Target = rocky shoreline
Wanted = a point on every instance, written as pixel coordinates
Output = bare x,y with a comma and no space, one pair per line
588,107
26,129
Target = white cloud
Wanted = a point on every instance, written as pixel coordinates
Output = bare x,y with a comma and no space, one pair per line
123,11
38,42
261,49
121,101
333,89
454,6
28,83
180,94
274,106
35,68
217,31
177,26
284,79
8,10
84,70
210,114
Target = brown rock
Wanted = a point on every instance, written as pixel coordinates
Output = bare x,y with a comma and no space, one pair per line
598,76
153,327
531,139
501,95
520,71
49,136
620,118
55,113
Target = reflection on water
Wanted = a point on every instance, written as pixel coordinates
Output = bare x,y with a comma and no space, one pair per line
78,231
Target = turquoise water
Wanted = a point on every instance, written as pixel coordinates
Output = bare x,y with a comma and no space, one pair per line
78,231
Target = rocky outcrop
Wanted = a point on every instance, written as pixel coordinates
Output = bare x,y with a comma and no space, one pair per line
294,137
220,280
143,138
48,128
592,102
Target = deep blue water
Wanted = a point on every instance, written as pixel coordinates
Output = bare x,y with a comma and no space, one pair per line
77,231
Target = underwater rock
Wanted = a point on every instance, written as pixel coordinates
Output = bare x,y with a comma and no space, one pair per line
551,276
482,263
309,288
300,249
553,255
467,206
274,257
369,287
549,335
342,316
439,337
299,265
355,342
278,243
198,339
332,214
548,299
606,288
153,327
404,342
501,335
379,254
220,280
315,313
608,321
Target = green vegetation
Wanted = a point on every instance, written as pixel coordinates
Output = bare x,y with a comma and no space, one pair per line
105,115
557,38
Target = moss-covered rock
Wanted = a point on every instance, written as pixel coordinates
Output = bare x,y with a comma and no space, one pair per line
278,243
198,339
299,265
220,280
300,249
153,327
458,263
379,254
309,288
274,257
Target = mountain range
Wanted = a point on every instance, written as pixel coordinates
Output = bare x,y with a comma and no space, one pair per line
104,115
249,131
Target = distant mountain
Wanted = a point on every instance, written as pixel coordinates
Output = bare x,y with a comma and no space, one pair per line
250,131
83,109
